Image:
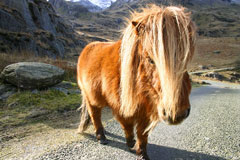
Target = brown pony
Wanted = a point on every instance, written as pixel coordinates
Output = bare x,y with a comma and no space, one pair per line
141,77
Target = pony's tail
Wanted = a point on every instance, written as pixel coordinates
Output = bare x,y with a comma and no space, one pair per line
84,118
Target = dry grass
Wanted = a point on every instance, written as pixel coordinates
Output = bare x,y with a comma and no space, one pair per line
217,52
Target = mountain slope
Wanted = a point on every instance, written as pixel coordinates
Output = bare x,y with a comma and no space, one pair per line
214,18
236,1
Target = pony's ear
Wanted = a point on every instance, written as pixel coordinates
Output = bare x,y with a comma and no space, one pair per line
134,23
138,26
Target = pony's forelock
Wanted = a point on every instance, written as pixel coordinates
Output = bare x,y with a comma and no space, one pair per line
128,97
168,39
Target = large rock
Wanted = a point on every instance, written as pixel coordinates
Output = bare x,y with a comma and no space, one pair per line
32,75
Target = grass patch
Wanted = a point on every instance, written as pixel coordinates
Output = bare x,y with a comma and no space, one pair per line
196,84
52,100
27,107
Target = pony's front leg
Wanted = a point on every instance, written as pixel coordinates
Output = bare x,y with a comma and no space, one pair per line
95,114
142,140
127,125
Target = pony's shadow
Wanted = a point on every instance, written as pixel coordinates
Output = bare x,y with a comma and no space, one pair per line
157,152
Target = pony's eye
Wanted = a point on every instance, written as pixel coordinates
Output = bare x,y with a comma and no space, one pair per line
151,61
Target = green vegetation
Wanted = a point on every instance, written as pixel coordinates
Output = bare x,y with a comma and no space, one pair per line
29,107
49,99
196,85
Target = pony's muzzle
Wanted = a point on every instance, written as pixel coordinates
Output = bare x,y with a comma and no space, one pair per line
178,118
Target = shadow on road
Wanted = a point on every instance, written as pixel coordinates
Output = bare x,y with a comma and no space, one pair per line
156,152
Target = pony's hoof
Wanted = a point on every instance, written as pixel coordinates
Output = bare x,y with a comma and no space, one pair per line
143,157
131,143
103,141
132,150
131,146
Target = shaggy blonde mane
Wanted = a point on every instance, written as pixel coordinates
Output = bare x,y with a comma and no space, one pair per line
168,36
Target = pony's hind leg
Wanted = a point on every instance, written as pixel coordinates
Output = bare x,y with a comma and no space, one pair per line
127,125
95,114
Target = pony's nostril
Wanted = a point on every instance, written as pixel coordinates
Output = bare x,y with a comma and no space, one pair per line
188,112
164,113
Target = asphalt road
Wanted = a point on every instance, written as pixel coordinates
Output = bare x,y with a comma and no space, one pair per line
212,132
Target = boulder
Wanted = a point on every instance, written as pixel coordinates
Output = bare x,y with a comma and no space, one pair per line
32,75
235,77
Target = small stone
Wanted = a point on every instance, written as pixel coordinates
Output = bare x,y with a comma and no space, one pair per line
202,67
206,138
204,83
5,95
66,85
37,112
35,91
217,52
63,90
13,104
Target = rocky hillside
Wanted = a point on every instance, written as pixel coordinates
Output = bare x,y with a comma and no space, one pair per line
33,26
236,1
214,18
